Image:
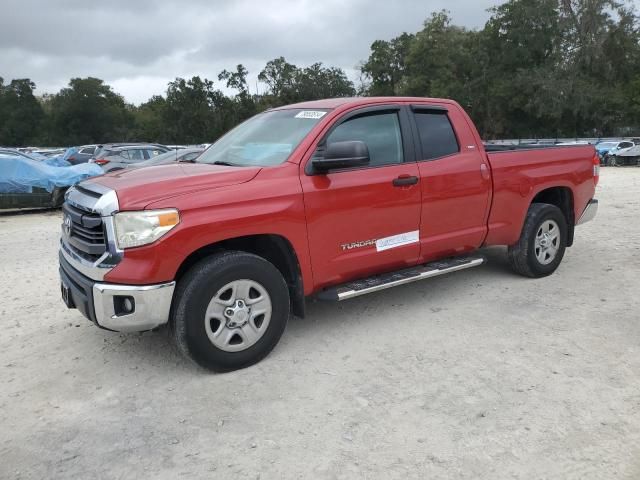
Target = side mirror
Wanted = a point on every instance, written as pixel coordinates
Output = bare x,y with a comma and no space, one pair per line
342,155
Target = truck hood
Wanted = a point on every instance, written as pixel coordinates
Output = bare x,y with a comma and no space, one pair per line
137,188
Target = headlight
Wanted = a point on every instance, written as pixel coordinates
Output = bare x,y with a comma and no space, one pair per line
134,229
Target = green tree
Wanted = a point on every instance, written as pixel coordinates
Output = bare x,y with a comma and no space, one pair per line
289,84
244,105
280,78
21,114
89,111
150,121
385,69
192,113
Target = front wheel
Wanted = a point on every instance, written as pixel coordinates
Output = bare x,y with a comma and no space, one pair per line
542,242
230,311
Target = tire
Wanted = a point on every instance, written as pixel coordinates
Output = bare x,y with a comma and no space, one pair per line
200,314
532,258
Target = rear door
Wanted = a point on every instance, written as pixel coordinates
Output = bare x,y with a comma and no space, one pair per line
365,220
455,181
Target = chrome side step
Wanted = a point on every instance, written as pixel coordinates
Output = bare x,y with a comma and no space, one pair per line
401,277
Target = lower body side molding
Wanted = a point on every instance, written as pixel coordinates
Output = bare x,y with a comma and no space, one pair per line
400,277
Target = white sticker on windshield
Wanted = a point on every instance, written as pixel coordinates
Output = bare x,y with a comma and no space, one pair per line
397,240
312,114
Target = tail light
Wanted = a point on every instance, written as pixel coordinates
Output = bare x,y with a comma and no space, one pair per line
101,161
596,168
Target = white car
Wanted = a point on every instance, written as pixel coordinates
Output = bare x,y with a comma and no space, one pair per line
621,147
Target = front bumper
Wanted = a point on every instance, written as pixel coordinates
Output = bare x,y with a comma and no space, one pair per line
589,212
122,308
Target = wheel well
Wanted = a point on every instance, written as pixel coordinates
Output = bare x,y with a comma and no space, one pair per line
561,197
274,248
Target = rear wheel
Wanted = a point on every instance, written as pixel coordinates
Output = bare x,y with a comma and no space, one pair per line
231,309
542,242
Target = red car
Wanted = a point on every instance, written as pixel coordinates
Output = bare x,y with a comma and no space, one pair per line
332,199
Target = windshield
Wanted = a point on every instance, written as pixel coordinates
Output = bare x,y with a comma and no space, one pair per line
607,144
264,140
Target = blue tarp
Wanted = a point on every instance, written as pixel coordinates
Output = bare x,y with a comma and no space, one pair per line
20,175
56,161
61,160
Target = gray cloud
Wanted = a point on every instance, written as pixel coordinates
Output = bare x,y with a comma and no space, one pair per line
137,46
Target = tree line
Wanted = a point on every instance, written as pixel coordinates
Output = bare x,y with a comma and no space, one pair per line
538,68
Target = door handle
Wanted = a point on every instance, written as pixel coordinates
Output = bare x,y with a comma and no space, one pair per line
404,180
484,171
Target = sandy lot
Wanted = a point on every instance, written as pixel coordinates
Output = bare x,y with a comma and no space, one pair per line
479,374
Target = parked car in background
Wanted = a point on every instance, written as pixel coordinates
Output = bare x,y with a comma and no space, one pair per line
50,152
627,157
172,156
29,183
615,150
100,149
17,153
118,158
84,153
603,148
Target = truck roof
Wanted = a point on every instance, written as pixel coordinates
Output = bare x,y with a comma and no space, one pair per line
332,103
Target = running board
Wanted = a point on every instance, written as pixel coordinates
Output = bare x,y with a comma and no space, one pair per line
401,277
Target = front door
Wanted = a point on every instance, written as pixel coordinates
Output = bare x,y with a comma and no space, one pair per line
365,220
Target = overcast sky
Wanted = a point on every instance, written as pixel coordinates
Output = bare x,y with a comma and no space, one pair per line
137,46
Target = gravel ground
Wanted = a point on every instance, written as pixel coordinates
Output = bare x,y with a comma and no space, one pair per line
478,374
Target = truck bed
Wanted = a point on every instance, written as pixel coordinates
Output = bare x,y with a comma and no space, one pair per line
519,174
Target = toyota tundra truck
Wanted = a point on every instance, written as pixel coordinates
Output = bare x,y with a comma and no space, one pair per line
329,199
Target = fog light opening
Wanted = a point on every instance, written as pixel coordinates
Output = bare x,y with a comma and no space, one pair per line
123,305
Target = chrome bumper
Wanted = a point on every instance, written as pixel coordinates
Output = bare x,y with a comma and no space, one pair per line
589,212
151,305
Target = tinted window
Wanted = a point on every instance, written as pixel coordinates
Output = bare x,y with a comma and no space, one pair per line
436,135
380,132
88,150
626,145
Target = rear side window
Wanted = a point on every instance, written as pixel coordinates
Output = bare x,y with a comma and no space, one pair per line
136,155
436,135
380,132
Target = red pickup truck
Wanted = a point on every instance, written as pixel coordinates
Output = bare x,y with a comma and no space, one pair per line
329,199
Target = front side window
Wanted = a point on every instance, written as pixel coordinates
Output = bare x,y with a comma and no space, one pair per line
264,140
436,134
380,132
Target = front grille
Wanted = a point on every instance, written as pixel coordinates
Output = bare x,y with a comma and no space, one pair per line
84,232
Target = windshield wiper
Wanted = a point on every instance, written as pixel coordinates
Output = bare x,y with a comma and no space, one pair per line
226,164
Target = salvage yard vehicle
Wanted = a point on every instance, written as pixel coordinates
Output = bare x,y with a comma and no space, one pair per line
120,157
331,199
83,154
31,183
627,157
621,147
172,156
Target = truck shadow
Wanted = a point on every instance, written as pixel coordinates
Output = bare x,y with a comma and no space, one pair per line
155,352
433,293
